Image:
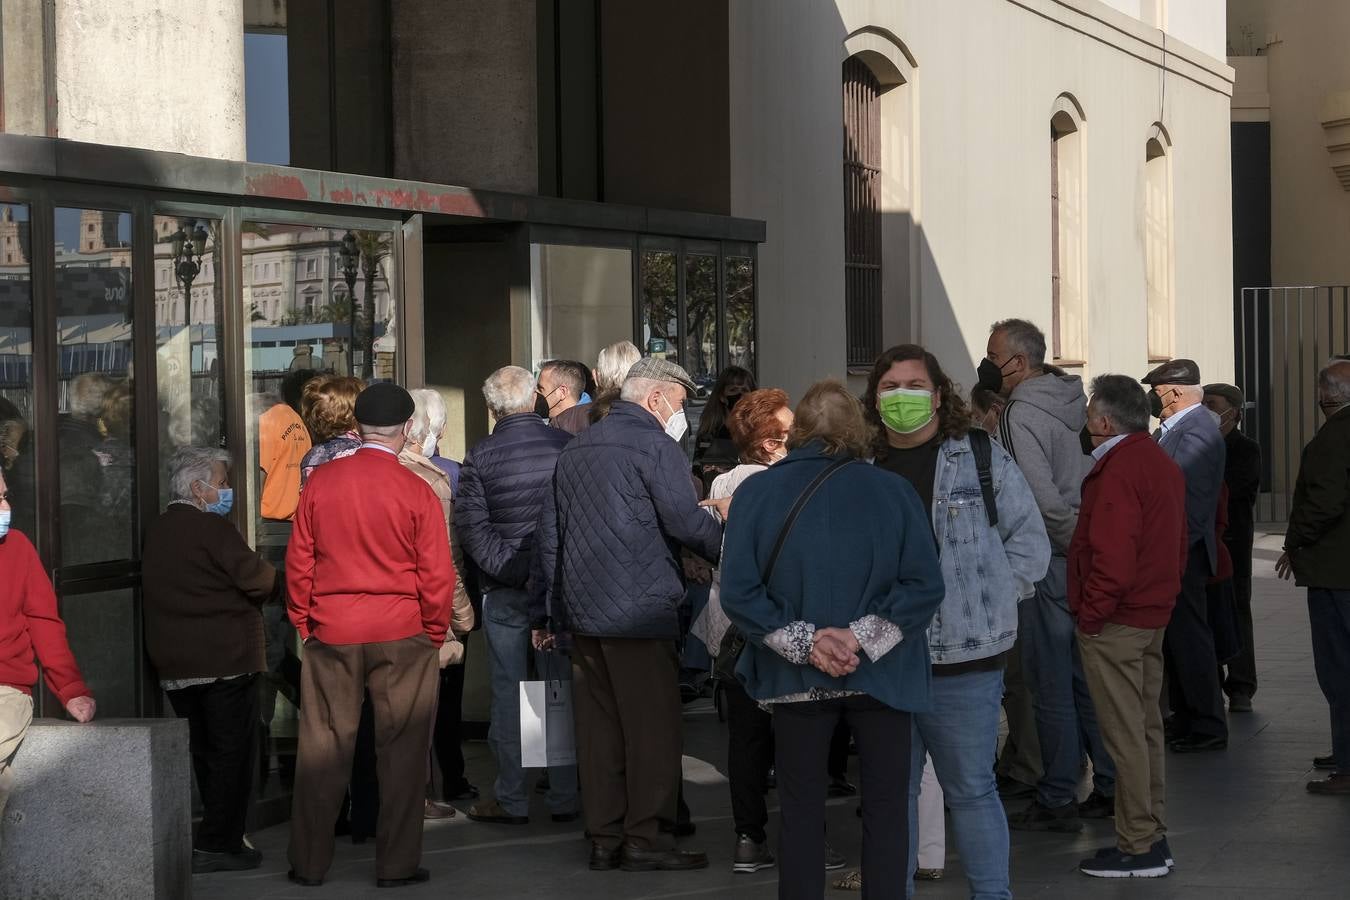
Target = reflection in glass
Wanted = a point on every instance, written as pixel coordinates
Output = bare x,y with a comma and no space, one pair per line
700,317
16,364
740,312
189,309
94,436
102,628
582,300
660,305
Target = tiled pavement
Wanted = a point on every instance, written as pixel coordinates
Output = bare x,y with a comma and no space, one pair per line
1242,825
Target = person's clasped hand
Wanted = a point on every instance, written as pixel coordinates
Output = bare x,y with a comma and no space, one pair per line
835,651
81,709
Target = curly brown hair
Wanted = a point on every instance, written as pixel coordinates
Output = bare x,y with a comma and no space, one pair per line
328,405
831,414
754,420
954,418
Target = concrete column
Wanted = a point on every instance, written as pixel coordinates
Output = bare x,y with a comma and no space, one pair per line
22,78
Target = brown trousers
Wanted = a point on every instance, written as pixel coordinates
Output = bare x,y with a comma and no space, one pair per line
401,678
1124,671
626,699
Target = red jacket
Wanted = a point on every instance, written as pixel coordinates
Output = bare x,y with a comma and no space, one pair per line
1129,550
29,623
369,558
1225,569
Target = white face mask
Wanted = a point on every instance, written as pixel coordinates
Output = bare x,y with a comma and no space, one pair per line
4,521
429,446
677,424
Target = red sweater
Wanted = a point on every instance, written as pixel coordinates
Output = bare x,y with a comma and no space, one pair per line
369,558
29,622
1129,550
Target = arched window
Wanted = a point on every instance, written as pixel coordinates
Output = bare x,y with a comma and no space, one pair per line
862,211
1067,283
1158,247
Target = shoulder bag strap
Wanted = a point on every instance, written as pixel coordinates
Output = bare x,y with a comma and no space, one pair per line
796,511
981,447
1004,432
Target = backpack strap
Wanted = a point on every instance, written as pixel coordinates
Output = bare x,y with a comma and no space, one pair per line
982,447
796,511
1004,431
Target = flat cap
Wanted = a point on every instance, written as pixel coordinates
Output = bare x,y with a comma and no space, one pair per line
1231,393
384,404
1174,371
661,370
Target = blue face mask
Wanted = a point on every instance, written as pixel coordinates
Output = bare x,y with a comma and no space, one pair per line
224,502
4,522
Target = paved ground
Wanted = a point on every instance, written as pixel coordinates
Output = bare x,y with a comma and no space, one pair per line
1242,824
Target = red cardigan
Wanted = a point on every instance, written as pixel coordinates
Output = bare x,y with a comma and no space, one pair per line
369,557
29,623
1129,550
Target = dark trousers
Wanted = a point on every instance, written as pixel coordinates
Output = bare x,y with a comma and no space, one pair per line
626,700
749,757
837,765
222,735
447,743
1329,616
1192,667
802,740
365,783
1241,678
401,678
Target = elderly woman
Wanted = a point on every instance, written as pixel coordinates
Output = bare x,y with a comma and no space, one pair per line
448,751
830,573
328,406
204,634
428,431
611,368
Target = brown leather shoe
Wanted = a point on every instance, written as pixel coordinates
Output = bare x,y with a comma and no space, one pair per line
434,810
1335,785
631,859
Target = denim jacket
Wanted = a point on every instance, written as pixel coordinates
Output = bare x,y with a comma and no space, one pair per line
986,570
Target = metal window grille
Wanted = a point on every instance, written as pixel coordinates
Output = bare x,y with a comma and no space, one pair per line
862,212
1054,244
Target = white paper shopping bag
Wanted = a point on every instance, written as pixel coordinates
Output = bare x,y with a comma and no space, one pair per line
546,731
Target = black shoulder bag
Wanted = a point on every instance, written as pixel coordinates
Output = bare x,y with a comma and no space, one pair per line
733,641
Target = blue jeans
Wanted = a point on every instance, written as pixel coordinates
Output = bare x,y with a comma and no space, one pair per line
961,736
1066,722
506,623
1329,616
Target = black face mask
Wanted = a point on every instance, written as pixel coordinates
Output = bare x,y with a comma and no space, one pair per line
540,406
1085,441
1155,404
990,375
729,400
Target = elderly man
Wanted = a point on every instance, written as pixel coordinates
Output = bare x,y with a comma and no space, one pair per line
608,570
1242,475
370,583
561,384
502,488
1190,436
1040,427
29,625
1317,553
1125,564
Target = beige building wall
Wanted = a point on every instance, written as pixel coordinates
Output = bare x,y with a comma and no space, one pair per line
985,78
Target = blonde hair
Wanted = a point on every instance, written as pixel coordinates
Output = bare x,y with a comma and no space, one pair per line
613,363
829,413
328,405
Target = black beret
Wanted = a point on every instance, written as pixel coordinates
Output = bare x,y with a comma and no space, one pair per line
1228,392
384,404
1174,371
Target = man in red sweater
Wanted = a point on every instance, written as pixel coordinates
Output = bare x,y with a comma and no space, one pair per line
370,583
1126,560
29,624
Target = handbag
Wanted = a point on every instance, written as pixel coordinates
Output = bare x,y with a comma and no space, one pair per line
731,646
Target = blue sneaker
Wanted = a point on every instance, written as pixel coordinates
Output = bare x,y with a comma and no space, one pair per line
1159,846
1122,865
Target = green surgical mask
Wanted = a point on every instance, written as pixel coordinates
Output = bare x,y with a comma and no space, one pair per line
904,411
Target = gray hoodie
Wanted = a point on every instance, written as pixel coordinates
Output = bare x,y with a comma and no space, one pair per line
1040,427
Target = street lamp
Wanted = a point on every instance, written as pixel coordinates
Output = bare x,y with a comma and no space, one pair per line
349,255
187,248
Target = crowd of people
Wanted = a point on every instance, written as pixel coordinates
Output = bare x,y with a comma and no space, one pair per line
1040,558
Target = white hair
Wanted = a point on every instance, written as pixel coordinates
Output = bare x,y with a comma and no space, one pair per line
428,421
636,390
1333,382
611,367
509,390
191,465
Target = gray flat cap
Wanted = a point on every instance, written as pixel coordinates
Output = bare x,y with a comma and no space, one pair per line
661,370
1174,371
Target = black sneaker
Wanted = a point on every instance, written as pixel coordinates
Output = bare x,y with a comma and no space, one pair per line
751,857
1239,703
463,791
1097,806
1010,788
205,861
841,787
1122,865
1160,846
834,860
1062,819
1327,762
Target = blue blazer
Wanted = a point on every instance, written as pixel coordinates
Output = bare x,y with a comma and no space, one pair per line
862,545
1197,446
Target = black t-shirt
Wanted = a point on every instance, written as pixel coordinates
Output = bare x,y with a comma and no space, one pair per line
918,465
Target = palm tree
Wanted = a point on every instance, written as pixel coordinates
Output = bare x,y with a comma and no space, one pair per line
374,247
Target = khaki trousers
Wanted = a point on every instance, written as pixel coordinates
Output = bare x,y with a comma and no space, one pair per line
1124,671
401,678
16,712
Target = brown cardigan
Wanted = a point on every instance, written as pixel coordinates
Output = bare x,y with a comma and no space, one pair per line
203,587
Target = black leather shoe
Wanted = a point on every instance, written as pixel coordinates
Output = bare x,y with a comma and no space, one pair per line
1327,762
304,882
631,859
1198,743
603,859
679,829
417,877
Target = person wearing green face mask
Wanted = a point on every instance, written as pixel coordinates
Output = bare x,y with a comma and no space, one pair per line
922,431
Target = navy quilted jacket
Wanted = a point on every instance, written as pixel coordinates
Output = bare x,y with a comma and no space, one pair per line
502,484
622,505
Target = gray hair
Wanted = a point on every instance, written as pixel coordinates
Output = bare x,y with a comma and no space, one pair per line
191,465
636,390
428,416
1024,338
86,394
509,390
612,366
1122,400
1333,382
